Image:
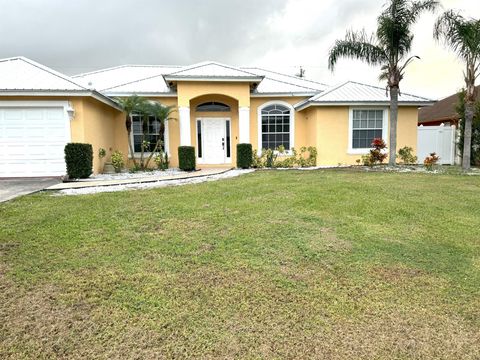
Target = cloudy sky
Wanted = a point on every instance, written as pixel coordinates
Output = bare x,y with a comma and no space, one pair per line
75,36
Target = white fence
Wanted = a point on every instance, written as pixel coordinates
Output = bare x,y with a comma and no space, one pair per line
439,139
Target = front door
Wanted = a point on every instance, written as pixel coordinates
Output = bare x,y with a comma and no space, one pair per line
214,140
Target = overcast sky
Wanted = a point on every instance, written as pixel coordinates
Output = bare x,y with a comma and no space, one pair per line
75,36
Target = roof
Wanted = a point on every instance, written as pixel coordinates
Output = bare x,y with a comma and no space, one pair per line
150,79
20,73
211,70
352,92
22,76
443,110
133,79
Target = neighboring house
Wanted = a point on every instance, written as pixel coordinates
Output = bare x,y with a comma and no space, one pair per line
442,112
218,107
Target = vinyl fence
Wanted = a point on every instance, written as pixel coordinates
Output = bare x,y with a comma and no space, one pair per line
439,139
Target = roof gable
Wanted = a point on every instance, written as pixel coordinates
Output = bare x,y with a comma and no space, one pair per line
357,93
20,74
212,70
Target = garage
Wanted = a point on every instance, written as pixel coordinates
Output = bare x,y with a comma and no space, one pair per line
32,138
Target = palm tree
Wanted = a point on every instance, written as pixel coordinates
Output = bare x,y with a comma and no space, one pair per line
162,114
388,48
130,105
463,37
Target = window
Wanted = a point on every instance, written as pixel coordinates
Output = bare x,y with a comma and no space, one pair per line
227,130
152,129
276,127
366,126
213,107
199,138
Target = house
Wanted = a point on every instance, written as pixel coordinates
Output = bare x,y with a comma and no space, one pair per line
218,106
442,112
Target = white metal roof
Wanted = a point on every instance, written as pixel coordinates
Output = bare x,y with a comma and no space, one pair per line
279,81
20,74
352,92
129,79
212,70
148,79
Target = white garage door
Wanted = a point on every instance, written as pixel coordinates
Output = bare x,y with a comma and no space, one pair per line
32,140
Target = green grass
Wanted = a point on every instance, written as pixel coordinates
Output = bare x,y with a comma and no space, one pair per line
324,264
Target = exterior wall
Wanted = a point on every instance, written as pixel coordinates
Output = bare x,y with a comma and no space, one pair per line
302,130
332,133
232,115
99,125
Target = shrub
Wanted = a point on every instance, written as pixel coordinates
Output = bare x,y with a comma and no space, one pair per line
79,160
406,155
161,159
279,158
431,161
186,158
377,155
244,156
117,160
102,153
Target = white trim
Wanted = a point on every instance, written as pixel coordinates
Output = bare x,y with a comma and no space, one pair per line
201,160
213,78
385,123
283,94
243,125
69,93
259,123
184,121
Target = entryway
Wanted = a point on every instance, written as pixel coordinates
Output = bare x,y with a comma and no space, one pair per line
214,141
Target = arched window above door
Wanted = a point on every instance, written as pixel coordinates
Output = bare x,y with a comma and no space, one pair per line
213,106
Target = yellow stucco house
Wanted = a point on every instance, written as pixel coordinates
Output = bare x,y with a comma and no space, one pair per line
218,106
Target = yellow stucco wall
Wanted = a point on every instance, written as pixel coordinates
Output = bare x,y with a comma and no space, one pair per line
100,124
190,90
302,130
327,128
333,133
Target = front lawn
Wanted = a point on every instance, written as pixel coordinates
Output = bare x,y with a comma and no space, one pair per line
320,264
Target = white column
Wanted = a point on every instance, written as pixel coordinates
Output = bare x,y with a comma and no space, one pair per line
244,125
184,114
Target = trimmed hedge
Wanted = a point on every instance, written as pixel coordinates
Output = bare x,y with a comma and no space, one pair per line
244,156
186,158
79,160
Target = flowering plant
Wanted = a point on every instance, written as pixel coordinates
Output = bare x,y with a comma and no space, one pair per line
430,161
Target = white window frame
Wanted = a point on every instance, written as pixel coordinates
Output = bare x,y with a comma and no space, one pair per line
166,145
292,123
385,122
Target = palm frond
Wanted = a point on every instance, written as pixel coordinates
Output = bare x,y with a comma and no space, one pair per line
357,45
461,35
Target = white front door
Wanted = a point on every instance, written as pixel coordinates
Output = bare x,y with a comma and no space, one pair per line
214,140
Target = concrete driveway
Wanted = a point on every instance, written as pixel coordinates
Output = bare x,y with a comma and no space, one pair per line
12,188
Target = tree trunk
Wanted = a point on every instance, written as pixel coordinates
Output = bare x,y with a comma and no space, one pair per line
128,125
467,138
393,126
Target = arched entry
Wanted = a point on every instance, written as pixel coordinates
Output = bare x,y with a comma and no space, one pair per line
213,116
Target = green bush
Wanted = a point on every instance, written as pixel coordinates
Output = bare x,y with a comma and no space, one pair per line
117,160
186,158
244,156
79,160
406,155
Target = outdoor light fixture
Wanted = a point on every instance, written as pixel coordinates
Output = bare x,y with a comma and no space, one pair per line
70,111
